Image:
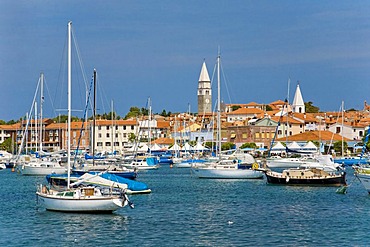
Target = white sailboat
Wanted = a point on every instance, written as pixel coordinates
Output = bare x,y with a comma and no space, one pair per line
224,168
147,161
82,199
46,165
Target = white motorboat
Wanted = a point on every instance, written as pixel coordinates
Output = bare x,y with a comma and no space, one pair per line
42,167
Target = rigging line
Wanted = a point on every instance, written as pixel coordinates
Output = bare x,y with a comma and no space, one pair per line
83,123
226,82
277,127
332,136
82,68
48,93
104,101
61,76
29,119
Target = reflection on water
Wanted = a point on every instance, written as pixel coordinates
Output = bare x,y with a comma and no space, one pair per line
186,211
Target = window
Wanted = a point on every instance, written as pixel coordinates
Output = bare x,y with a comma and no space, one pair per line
108,135
116,144
108,127
99,135
257,135
337,130
116,135
116,127
99,127
244,135
124,127
107,144
132,127
99,144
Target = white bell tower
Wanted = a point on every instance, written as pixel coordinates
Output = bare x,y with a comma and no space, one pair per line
298,103
204,91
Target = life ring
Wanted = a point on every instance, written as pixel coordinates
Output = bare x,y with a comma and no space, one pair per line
255,166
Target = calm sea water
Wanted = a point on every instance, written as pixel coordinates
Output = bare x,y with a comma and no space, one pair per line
186,211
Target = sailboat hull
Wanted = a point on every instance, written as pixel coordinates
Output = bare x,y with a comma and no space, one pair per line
206,172
92,204
282,178
41,170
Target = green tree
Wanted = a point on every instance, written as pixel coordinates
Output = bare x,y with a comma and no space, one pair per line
7,145
144,111
268,108
11,122
310,108
133,113
248,145
227,146
338,146
64,118
235,107
131,137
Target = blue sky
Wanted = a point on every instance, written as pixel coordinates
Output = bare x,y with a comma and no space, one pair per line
155,49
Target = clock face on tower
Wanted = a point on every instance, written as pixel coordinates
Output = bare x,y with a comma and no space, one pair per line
207,101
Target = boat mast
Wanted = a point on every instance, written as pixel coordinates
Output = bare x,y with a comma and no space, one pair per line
150,129
112,116
69,101
35,128
218,105
41,104
342,128
94,119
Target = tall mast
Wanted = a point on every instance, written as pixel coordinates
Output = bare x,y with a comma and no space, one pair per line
342,128
69,100
94,118
218,104
112,116
150,129
35,128
41,104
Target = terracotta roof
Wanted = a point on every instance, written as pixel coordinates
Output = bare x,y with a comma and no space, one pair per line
10,126
286,119
244,111
307,117
278,102
163,124
167,141
314,136
253,104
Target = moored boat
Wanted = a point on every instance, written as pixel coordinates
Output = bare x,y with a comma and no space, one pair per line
306,176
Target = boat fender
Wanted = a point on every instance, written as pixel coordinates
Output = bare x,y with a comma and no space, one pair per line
255,166
287,179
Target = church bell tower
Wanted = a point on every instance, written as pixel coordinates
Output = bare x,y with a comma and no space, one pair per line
204,91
